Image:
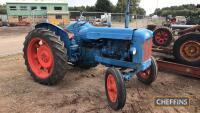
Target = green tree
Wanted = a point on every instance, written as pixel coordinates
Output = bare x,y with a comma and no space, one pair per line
157,11
103,6
90,8
140,11
121,6
183,10
107,6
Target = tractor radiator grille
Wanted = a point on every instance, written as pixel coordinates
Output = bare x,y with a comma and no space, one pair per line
147,49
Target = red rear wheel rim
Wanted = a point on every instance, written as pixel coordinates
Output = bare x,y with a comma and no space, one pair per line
40,58
161,37
146,73
112,88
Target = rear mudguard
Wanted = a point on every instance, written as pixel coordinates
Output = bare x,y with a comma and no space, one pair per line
58,31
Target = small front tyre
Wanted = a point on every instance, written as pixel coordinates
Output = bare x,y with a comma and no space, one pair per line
150,74
115,89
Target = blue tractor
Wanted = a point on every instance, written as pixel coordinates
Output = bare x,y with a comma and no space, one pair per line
49,50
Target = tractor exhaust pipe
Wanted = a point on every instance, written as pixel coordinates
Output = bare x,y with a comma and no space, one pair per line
127,14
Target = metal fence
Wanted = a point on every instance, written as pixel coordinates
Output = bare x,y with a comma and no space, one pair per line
117,19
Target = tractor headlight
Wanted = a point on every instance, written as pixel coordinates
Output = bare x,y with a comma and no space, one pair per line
133,51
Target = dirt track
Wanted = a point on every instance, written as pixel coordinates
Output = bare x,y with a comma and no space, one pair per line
11,39
83,91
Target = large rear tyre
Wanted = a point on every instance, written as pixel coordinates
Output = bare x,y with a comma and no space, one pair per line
115,89
45,56
149,75
162,37
187,49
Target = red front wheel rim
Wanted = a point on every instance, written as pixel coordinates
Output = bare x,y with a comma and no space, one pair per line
112,88
146,73
161,37
40,58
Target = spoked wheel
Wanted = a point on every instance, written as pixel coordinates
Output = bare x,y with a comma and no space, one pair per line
45,56
115,89
150,74
190,50
187,49
162,37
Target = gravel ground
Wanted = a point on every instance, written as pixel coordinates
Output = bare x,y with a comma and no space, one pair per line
82,91
11,39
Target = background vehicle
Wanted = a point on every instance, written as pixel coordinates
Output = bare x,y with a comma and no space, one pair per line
184,40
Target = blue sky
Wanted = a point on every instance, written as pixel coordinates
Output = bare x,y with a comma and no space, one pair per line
148,5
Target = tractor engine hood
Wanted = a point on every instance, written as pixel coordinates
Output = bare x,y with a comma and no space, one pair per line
90,32
95,33
140,35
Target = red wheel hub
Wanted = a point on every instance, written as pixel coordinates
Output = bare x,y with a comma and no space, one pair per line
161,37
40,58
44,56
190,51
112,88
146,73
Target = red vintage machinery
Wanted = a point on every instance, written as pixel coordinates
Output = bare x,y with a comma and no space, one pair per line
178,49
